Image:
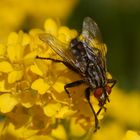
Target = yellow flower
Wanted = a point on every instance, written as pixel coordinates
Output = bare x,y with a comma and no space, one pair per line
16,14
7,102
109,131
131,135
34,88
124,107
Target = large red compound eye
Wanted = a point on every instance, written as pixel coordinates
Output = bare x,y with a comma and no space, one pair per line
108,89
98,92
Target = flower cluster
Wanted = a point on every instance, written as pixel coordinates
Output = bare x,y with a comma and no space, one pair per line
32,94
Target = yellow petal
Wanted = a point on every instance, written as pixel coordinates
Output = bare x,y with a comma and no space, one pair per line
15,52
15,49
2,49
15,76
20,133
7,102
51,27
3,87
42,65
131,135
76,129
5,67
73,34
12,38
25,40
35,69
30,57
59,132
59,87
64,34
51,109
65,112
34,32
40,85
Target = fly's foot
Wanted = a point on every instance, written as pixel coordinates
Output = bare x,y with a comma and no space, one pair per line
97,126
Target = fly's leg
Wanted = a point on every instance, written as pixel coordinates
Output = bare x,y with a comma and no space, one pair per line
102,103
112,81
101,107
59,61
87,95
54,60
70,85
73,84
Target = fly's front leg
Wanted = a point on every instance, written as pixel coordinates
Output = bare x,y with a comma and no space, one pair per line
87,94
60,61
101,107
70,85
112,81
54,60
73,84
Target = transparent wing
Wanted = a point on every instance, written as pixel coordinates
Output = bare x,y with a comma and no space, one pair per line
91,30
60,48
92,37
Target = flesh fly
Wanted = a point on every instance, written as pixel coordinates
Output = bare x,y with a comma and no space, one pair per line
85,55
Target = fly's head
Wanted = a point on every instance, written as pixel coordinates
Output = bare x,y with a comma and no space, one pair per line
102,93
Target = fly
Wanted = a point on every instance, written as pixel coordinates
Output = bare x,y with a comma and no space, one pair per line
85,58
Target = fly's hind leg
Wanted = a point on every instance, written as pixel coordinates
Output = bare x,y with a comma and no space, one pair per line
87,95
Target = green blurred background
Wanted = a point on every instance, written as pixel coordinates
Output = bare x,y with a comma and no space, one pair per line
119,22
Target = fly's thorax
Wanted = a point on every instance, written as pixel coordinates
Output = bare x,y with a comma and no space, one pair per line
78,51
89,63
